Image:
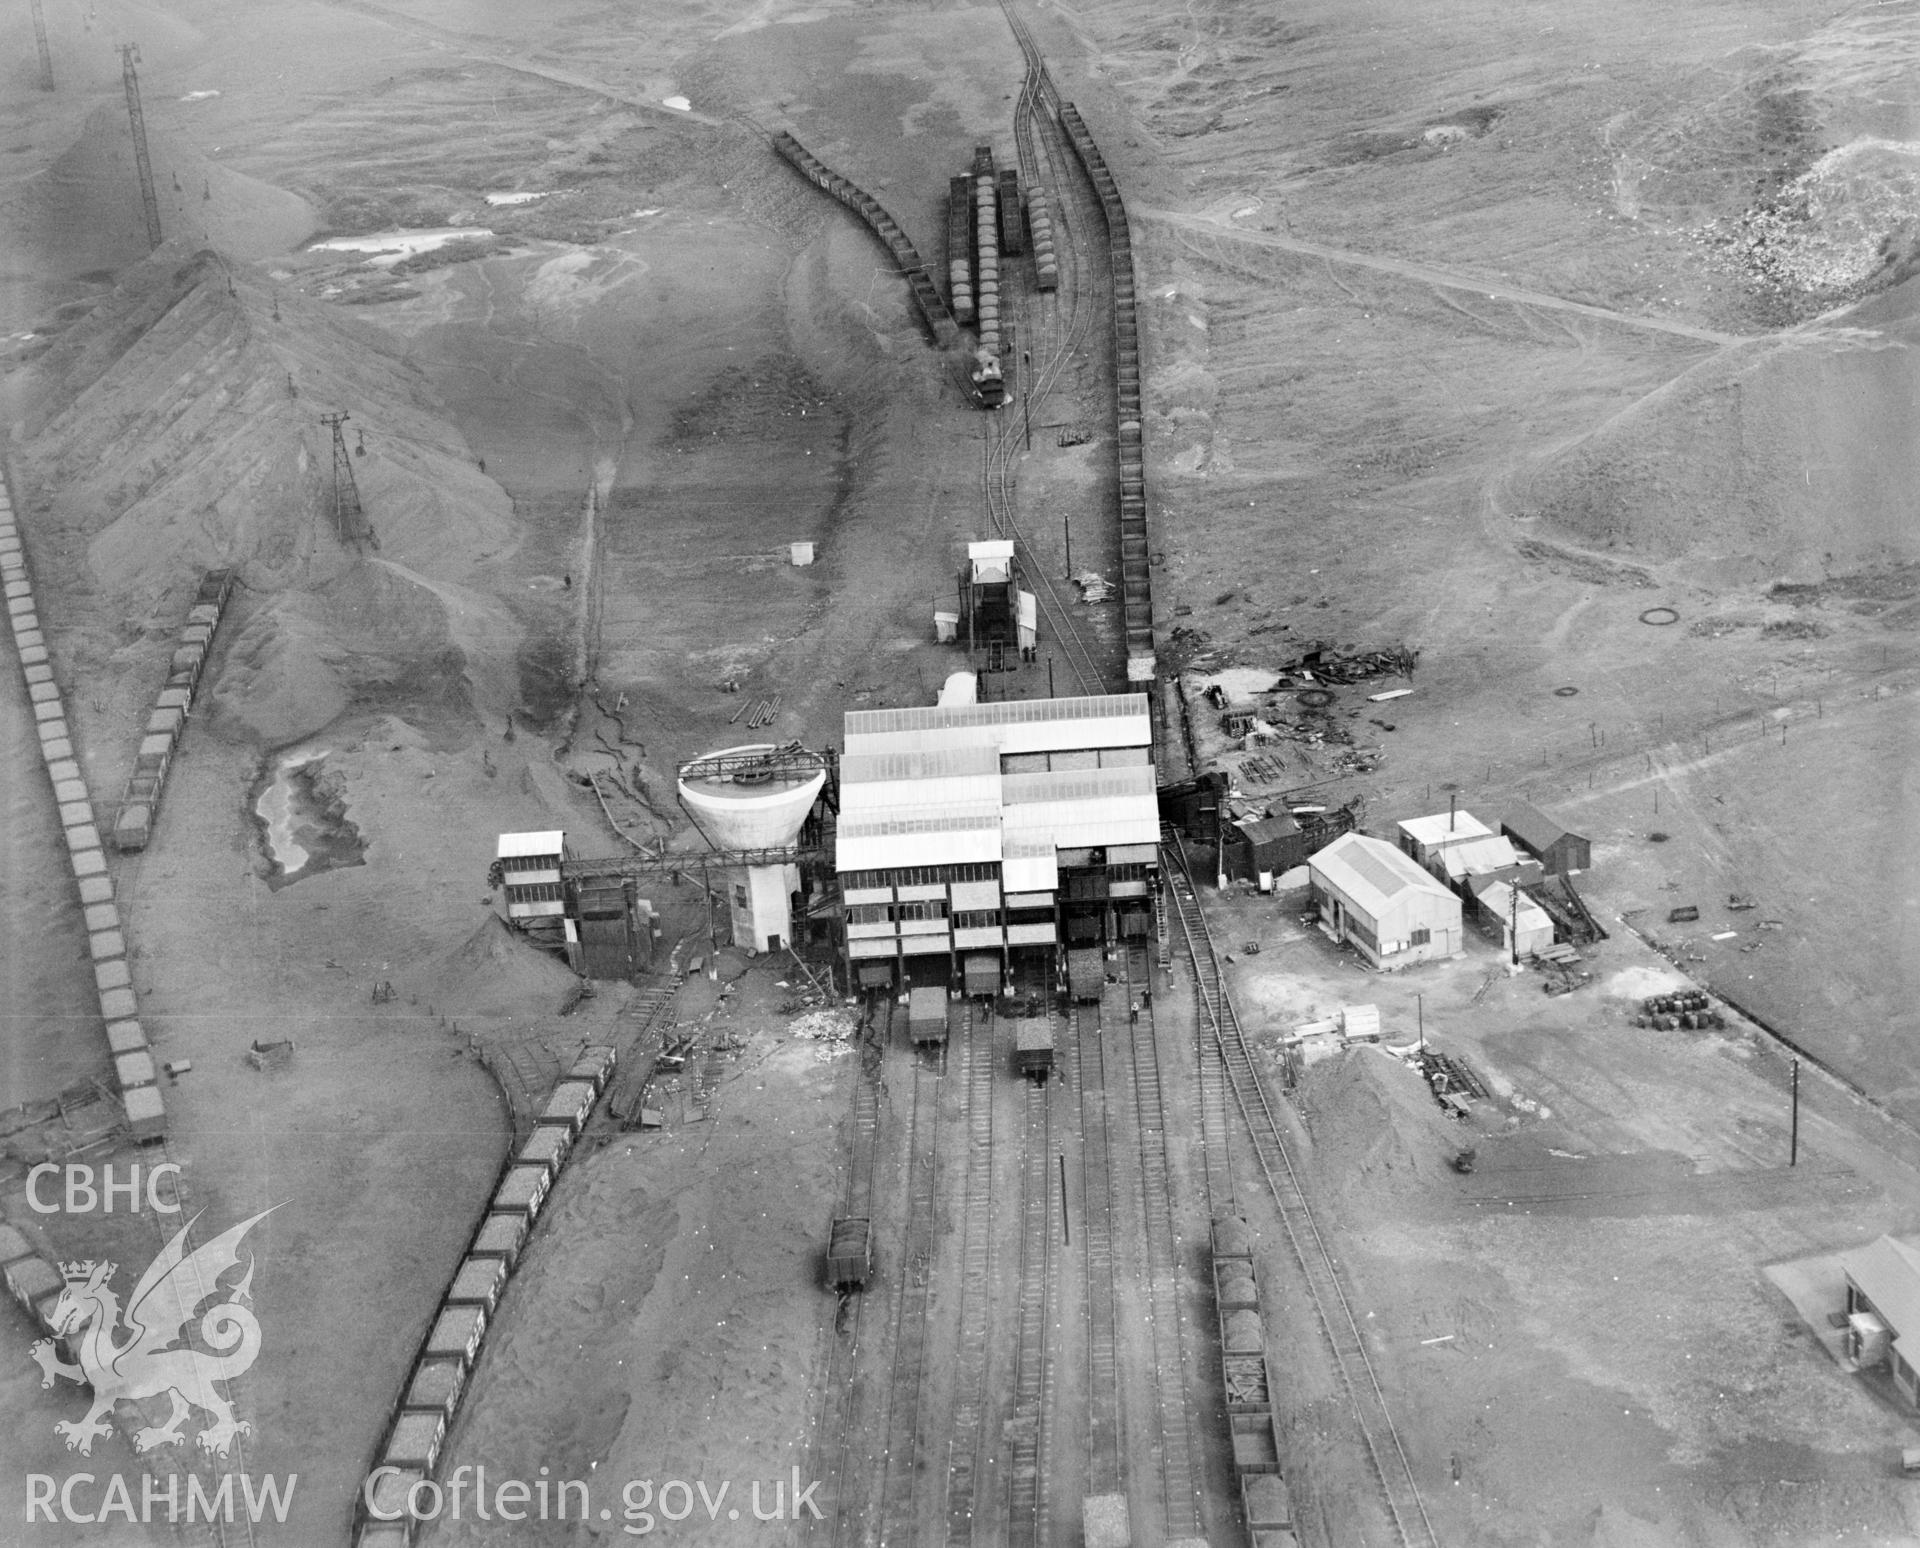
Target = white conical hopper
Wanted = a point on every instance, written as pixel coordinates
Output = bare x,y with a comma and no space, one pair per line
736,813
749,809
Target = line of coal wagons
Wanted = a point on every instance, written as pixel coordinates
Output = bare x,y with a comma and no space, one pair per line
431,1396
167,720
1249,1390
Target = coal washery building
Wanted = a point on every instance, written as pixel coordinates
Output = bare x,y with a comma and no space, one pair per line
976,838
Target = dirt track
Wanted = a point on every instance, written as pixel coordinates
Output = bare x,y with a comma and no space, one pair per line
1423,274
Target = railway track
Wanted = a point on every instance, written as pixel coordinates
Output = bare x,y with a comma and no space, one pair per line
1178,1452
870,1037
914,1273
1106,1438
1027,1516
1216,1121
834,1430
976,1280
1333,1306
1053,327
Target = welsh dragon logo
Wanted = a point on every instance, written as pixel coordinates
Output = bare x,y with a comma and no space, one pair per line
145,1362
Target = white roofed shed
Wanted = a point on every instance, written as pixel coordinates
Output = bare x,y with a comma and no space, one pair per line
1375,898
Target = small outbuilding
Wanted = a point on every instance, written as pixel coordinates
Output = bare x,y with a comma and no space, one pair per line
1424,838
1503,908
1470,866
1883,1306
1559,849
1377,899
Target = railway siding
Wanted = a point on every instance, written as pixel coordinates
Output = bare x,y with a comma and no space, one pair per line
1136,547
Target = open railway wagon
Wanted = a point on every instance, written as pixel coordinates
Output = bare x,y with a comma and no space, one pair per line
1248,1386
1033,1047
980,975
1046,260
1013,235
849,1253
1086,973
927,1016
959,249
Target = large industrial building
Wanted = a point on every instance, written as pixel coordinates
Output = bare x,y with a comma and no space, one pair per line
975,838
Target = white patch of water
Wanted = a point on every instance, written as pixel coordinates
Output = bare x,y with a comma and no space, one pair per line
513,198
389,247
275,809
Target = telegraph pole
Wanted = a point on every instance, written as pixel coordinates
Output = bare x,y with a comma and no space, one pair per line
349,520
129,57
40,37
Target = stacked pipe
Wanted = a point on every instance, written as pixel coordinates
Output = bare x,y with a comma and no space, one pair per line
167,721
1013,239
1046,262
925,294
106,939
986,247
959,238
400,1489
1135,561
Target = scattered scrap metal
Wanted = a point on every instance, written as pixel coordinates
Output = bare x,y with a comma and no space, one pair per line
1451,1080
1319,664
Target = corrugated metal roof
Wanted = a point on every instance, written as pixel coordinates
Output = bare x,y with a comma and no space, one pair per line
1497,899
1888,1271
1490,853
1444,828
1106,830
918,763
897,851
921,819
1372,872
514,845
1533,827
1002,712
878,802
1267,830
1079,784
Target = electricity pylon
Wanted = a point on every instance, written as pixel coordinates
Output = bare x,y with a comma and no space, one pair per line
129,57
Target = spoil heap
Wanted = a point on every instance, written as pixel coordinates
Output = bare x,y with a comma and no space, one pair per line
177,428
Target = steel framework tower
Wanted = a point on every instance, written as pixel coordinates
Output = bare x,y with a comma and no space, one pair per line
129,57
40,37
349,520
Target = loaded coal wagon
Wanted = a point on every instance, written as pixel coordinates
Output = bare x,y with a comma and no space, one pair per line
849,1253
927,1015
1033,1047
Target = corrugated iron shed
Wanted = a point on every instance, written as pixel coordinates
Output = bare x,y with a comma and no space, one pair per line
1372,872
1887,1272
